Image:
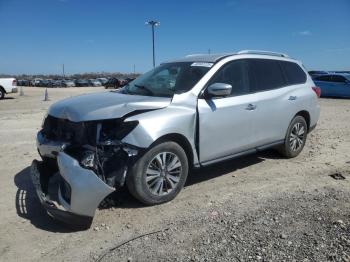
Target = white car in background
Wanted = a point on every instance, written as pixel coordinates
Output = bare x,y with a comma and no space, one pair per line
7,85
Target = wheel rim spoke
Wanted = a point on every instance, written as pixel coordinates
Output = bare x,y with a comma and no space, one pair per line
170,182
157,184
175,163
163,173
152,172
154,183
173,178
296,138
301,131
150,178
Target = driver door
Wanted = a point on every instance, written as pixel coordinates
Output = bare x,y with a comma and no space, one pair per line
226,123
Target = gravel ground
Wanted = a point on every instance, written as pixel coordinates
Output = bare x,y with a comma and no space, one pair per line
260,207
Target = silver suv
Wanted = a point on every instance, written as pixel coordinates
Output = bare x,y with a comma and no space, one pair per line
183,114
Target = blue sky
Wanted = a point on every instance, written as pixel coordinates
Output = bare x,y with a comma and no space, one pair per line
37,36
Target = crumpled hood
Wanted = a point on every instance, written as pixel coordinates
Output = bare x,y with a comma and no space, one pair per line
104,105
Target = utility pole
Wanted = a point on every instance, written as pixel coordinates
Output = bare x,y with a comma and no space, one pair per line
63,71
153,23
209,51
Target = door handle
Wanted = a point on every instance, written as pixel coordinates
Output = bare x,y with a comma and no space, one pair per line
292,98
250,107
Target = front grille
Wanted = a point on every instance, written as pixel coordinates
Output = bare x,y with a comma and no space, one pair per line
65,130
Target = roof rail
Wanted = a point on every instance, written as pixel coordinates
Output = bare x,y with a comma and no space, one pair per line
261,52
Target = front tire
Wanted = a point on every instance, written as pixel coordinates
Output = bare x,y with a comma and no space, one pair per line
295,138
2,93
159,175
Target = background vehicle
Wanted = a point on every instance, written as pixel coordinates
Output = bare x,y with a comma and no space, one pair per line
81,82
334,85
56,83
112,82
191,112
94,82
102,80
129,79
317,73
44,83
68,83
7,86
23,82
36,82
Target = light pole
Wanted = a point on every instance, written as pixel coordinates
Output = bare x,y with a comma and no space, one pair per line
153,24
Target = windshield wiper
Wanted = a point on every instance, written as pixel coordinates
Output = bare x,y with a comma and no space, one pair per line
145,88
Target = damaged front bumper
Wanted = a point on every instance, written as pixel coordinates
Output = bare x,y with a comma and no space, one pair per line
79,193
83,163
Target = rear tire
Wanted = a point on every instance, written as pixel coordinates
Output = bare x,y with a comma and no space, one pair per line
2,93
159,175
295,139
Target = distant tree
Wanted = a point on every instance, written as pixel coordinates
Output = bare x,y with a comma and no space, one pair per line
74,76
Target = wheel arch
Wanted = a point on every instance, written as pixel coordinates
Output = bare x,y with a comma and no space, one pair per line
306,115
181,140
3,89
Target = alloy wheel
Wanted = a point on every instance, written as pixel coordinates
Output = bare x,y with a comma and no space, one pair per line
296,139
163,173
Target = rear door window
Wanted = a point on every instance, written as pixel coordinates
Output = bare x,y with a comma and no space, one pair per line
294,74
266,74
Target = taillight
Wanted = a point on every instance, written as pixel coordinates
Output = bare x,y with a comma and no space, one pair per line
14,82
317,90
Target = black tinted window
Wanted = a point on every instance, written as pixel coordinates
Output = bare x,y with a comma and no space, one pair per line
326,78
236,74
338,79
294,74
267,74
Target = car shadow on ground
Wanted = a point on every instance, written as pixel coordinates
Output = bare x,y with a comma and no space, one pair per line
28,205
123,199
8,98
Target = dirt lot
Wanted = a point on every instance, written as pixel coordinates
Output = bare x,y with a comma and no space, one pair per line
260,207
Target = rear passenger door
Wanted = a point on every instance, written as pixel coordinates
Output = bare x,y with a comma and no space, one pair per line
275,105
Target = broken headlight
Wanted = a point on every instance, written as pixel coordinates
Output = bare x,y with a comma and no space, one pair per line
109,132
88,159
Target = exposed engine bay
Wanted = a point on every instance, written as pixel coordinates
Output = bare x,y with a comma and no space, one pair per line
96,145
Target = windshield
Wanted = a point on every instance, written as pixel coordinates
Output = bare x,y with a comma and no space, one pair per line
168,79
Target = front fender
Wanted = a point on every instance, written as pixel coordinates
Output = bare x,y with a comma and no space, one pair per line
156,124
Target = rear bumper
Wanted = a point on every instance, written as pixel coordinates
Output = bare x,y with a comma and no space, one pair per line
86,190
10,90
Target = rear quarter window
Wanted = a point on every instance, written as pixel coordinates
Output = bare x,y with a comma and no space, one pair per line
294,74
265,74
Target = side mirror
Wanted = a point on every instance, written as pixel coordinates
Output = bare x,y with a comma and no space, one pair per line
219,89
